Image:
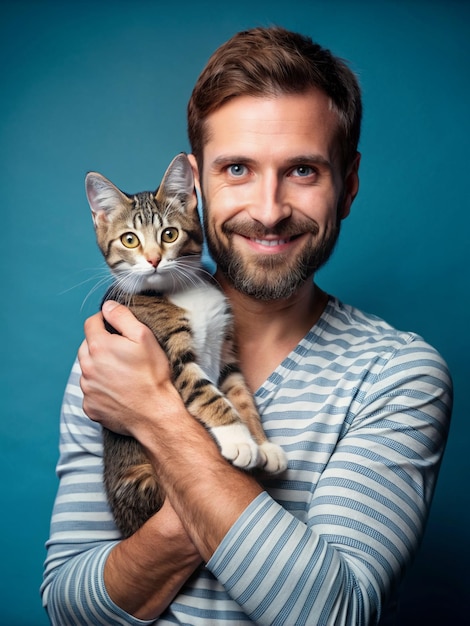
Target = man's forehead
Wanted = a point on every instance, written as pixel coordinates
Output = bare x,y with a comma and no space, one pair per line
293,124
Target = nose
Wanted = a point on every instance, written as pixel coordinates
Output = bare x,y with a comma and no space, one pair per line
268,204
154,260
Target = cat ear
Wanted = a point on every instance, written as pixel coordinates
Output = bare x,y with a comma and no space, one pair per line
178,180
103,197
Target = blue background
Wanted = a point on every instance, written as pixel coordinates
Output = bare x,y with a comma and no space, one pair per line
104,86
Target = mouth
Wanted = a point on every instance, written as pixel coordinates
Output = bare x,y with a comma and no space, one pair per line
271,243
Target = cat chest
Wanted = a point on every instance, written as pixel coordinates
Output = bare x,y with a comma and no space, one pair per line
209,315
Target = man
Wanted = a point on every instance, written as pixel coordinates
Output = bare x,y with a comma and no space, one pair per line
361,409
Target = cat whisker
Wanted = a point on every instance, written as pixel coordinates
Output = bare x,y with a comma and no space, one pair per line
124,287
182,277
100,276
103,269
188,271
103,281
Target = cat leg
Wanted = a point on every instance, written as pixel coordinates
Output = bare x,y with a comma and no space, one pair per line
272,457
236,445
205,402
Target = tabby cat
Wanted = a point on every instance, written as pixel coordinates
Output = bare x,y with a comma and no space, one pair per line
152,243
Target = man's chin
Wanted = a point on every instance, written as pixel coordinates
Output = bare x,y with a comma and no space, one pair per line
271,276
267,285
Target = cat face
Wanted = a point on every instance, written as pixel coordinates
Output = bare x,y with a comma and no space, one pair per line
150,241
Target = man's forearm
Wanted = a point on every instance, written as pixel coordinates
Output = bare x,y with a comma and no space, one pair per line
144,572
207,493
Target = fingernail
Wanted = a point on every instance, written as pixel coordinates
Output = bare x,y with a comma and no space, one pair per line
109,305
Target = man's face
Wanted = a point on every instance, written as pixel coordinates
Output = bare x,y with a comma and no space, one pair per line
273,192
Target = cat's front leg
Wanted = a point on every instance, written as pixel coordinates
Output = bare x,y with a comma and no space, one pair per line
206,402
271,457
237,445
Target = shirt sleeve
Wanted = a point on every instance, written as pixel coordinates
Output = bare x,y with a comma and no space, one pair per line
367,513
82,529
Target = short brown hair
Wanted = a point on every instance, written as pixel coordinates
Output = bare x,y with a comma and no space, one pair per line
270,62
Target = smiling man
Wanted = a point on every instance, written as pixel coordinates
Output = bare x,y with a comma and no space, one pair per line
274,194
361,409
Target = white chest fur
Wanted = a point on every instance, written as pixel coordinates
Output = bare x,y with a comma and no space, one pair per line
209,317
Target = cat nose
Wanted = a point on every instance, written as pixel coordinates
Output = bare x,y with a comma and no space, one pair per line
154,261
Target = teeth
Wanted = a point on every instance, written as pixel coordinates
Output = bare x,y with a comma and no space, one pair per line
271,242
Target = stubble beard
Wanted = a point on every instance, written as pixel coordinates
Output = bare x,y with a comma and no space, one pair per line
270,277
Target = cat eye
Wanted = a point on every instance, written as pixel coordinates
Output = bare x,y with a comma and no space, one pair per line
130,240
169,235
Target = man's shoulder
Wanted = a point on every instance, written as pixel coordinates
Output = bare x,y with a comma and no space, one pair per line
357,331
345,320
397,360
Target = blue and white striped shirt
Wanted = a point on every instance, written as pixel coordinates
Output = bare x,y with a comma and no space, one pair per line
362,412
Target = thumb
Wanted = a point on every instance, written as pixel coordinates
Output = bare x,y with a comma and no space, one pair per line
122,320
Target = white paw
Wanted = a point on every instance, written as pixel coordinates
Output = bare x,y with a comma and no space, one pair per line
272,458
237,445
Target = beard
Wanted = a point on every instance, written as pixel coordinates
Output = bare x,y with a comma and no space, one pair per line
270,277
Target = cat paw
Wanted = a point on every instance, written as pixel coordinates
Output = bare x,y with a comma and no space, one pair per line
237,445
272,458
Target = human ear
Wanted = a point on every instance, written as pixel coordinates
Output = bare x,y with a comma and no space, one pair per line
351,186
197,182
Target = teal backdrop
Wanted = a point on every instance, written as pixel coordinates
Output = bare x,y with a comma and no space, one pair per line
104,85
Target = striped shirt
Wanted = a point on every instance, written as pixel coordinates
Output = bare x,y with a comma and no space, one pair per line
362,412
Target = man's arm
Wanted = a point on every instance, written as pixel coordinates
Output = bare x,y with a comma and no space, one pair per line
366,514
90,575
144,572
368,511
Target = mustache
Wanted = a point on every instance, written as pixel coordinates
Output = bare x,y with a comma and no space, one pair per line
286,229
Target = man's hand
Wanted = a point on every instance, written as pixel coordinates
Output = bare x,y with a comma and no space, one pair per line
122,372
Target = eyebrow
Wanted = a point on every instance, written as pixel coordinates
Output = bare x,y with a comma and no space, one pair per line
315,159
301,159
222,160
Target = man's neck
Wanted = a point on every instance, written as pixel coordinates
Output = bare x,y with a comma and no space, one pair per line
267,331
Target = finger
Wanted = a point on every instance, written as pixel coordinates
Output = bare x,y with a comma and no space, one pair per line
94,324
83,350
123,321
85,363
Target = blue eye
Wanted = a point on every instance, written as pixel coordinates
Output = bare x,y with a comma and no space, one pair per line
237,169
303,171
